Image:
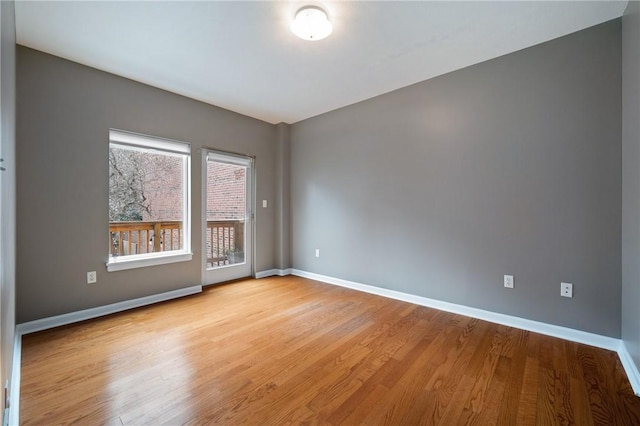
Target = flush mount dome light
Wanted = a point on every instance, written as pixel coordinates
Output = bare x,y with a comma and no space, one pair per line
311,23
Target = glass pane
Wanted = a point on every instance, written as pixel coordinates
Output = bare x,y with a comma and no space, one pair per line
146,201
226,208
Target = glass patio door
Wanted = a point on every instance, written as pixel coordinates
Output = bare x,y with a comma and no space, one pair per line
227,213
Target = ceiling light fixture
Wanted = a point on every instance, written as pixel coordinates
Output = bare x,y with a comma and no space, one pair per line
311,23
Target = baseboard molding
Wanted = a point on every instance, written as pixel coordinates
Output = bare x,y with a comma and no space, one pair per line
629,367
273,272
86,314
578,336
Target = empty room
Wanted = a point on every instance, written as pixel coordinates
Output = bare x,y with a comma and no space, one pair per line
320,212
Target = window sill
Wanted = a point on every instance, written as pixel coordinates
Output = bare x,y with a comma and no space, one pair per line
132,262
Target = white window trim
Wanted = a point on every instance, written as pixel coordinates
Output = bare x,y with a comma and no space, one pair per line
149,259
120,263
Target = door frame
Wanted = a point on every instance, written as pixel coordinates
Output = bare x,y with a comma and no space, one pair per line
249,214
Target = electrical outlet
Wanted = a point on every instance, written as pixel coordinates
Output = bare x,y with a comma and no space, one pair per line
566,289
317,252
91,277
508,281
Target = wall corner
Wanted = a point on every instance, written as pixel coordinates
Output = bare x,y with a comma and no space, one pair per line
283,196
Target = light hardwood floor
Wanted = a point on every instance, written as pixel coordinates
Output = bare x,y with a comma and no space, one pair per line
289,350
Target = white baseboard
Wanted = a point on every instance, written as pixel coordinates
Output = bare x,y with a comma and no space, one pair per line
272,272
566,333
597,340
64,319
629,367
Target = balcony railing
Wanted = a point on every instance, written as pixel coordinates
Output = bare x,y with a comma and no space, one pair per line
225,239
225,242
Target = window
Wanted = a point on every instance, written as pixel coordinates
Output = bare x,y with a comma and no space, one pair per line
149,204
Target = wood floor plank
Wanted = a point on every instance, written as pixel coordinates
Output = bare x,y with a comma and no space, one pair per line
415,377
453,412
603,407
489,415
580,403
514,381
432,404
337,391
362,408
527,401
289,350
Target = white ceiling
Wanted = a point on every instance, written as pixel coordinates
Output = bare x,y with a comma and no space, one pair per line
243,57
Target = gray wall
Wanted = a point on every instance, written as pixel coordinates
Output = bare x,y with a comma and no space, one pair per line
64,114
8,189
631,180
511,166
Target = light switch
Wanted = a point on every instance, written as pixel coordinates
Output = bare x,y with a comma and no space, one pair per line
264,204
